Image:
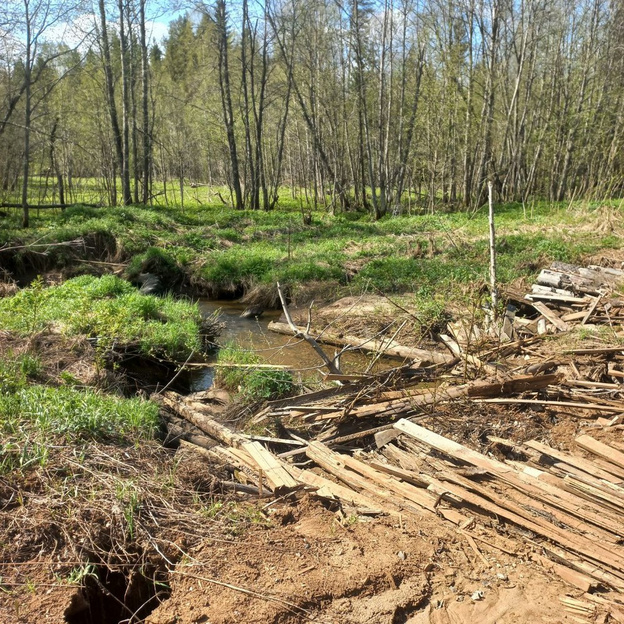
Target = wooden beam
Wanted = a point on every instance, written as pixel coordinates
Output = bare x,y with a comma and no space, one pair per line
602,450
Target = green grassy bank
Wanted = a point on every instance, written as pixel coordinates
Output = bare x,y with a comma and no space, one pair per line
214,250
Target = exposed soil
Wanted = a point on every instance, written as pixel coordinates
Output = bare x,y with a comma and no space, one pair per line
310,565
208,558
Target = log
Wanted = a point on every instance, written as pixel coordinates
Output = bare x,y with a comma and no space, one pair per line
208,425
374,346
46,206
270,465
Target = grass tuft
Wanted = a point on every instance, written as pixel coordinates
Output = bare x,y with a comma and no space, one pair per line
109,310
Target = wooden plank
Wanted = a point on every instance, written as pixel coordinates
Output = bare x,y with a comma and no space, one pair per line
584,567
502,508
578,462
612,500
333,463
573,577
591,310
275,473
331,489
557,298
533,482
550,316
602,450
285,441
573,316
595,351
579,383
406,491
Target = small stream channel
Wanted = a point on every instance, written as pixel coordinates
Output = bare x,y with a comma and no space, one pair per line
273,348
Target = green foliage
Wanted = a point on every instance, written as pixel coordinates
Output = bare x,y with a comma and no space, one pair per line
31,416
251,384
109,310
225,251
157,261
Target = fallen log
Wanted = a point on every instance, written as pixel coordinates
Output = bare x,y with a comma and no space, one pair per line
473,390
373,346
270,465
46,206
208,425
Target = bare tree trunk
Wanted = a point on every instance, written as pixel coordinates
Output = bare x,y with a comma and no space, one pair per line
145,105
226,101
54,163
27,117
110,91
125,107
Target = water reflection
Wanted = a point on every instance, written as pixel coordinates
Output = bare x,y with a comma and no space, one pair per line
253,334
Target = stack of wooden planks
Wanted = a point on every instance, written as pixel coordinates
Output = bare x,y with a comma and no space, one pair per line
362,445
565,295
570,503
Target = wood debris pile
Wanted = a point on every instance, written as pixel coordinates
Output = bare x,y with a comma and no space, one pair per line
363,444
565,295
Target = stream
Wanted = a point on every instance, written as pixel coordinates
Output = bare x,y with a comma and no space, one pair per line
273,348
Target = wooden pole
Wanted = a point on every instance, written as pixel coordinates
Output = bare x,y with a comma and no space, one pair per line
493,288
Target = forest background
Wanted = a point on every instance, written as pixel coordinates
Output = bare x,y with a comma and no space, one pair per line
388,107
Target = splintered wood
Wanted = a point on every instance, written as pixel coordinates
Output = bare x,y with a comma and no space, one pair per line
566,294
362,443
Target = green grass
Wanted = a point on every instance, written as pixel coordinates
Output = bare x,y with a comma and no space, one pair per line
250,384
109,310
221,251
34,416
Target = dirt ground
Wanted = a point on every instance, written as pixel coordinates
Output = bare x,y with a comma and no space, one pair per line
284,561
309,566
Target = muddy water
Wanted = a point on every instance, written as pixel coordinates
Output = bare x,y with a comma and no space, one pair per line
274,348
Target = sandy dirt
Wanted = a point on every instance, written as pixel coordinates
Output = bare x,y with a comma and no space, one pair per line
310,566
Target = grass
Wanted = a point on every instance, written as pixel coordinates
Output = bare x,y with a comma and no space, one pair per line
250,384
34,416
222,252
109,310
